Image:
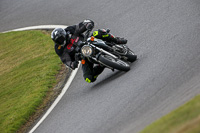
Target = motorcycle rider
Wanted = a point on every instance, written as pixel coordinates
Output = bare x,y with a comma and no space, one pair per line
65,40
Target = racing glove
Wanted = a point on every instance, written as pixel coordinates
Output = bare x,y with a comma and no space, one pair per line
89,26
74,65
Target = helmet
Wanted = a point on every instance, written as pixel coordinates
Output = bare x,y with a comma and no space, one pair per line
59,36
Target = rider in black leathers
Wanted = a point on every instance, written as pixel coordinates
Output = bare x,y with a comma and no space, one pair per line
65,40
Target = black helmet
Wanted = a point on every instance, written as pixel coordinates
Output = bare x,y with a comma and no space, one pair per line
59,36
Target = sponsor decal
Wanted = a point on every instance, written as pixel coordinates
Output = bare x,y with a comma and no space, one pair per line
77,39
69,46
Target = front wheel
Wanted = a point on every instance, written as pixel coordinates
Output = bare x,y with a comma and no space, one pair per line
114,63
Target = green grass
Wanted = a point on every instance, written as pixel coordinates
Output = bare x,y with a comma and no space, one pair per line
28,65
185,119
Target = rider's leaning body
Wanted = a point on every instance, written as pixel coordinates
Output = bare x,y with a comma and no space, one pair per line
65,40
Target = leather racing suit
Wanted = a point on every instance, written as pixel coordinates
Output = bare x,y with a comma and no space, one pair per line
67,52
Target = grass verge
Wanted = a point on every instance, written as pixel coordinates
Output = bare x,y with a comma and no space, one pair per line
28,65
185,119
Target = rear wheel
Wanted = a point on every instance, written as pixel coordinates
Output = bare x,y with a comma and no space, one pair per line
114,63
131,57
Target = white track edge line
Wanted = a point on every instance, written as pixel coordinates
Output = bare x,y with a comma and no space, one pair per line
73,74
37,28
69,81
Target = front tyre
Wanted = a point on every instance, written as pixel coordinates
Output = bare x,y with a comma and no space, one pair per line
114,63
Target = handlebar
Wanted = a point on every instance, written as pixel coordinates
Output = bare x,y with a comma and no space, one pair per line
80,44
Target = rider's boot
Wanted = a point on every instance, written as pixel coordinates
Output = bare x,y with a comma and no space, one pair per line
98,70
120,40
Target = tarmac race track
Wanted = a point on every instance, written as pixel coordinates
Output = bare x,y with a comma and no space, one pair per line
164,34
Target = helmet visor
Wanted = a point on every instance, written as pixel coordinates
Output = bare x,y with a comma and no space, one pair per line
60,40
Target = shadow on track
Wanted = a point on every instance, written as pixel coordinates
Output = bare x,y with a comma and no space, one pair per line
113,76
108,79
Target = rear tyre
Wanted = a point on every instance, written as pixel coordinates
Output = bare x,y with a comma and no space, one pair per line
114,63
131,56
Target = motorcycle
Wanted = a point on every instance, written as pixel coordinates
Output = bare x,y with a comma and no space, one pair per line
110,55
